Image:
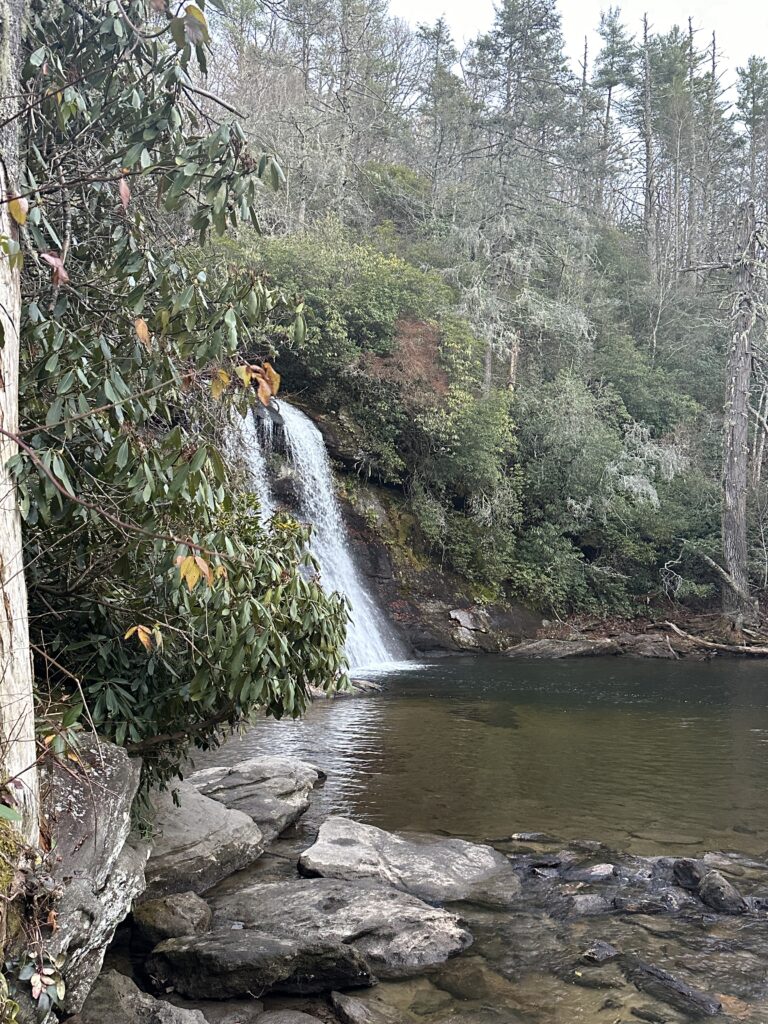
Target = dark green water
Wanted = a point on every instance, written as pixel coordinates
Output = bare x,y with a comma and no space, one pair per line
648,756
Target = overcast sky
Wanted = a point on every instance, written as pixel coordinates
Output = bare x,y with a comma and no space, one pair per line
741,25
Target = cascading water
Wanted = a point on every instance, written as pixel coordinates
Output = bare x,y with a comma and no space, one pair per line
249,437
370,638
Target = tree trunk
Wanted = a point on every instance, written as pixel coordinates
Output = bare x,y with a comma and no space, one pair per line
738,606
649,199
17,726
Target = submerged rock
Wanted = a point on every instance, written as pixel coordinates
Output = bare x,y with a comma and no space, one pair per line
272,790
600,952
669,989
116,999
233,962
199,842
397,933
169,917
430,867
473,977
351,1010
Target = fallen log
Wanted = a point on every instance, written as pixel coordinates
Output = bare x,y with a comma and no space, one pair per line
754,650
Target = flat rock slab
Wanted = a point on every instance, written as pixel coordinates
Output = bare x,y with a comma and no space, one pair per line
115,999
273,791
396,932
198,843
234,962
431,867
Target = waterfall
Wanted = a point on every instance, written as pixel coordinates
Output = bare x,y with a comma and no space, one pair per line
370,638
253,441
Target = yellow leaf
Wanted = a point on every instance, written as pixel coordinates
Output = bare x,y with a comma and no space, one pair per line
205,570
273,377
18,209
220,383
245,374
142,330
158,638
146,638
189,571
195,25
143,634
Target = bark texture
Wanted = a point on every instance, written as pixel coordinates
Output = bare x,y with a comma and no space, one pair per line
738,605
17,730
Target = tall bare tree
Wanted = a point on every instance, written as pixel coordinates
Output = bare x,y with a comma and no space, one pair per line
17,727
738,604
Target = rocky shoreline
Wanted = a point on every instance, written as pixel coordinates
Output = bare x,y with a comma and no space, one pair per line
244,918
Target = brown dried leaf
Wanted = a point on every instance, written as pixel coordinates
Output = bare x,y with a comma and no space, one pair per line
273,377
265,391
142,331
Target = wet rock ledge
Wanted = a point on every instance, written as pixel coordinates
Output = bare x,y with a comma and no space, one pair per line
245,919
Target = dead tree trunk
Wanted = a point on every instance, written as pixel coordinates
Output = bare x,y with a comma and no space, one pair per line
738,605
650,212
17,727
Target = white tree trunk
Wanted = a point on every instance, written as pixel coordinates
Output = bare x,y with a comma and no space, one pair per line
738,604
17,725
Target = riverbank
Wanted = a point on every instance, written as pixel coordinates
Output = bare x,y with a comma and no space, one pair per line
678,634
357,925
480,841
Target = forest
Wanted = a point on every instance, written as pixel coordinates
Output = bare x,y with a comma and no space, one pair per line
531,298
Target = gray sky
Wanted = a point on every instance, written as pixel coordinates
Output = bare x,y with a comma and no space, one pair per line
741,25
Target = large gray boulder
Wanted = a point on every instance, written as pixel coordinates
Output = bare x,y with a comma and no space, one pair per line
431,867
115,999
88,808
183,913
272,790
198,842
234,962
396,932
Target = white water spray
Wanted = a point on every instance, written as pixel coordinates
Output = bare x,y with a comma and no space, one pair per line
371,641
250,443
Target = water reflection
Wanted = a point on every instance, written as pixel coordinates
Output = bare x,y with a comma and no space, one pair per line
647,756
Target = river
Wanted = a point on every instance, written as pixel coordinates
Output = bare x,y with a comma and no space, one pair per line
618,761
649,757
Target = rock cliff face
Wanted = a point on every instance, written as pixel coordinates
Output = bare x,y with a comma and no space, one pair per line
435,610
98,867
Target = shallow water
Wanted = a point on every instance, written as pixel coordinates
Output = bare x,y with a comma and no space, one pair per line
647,756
